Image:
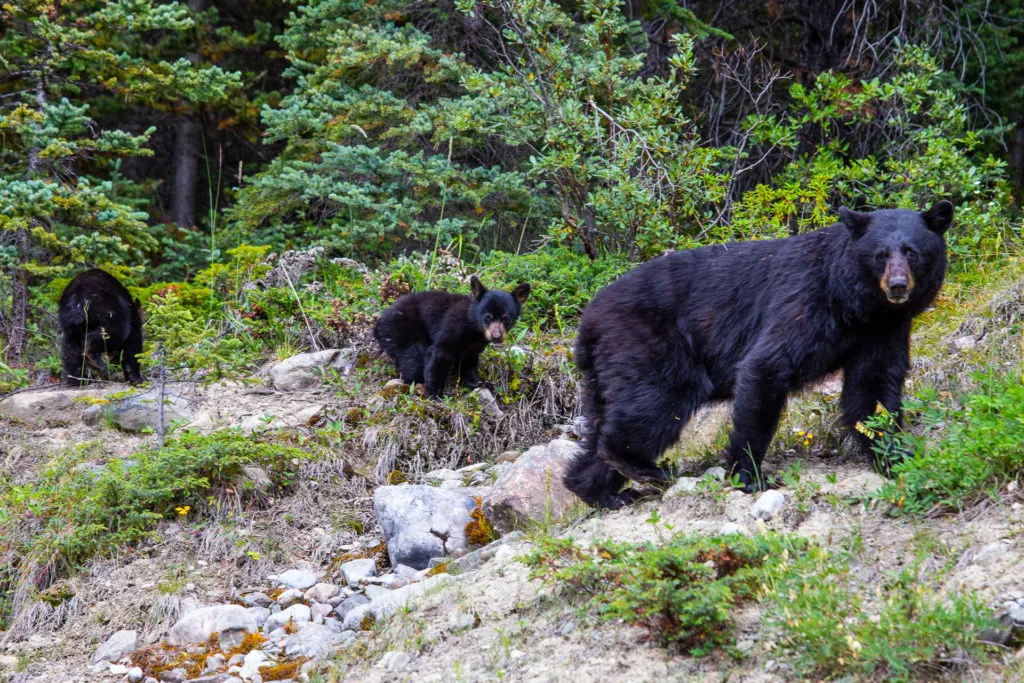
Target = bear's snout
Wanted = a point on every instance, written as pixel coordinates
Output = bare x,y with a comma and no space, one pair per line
897,282
495,333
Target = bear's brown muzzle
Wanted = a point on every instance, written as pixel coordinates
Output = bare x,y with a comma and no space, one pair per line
897,281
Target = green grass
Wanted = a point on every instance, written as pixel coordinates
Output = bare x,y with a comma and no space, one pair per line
684,591
74,510
974,450
829,623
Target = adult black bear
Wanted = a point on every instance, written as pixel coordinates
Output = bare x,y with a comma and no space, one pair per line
430,334
99,317
750,321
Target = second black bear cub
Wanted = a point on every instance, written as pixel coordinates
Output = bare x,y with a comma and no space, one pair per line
99,317
752,322
430,335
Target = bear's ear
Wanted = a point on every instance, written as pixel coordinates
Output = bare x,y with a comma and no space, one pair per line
939,217
477,287
857,223
521,292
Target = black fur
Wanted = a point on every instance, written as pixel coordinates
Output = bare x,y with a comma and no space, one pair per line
99,317
750,321
431,334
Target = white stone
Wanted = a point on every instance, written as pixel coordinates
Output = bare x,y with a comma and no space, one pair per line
296,613
199,625
289,597
734,528
356,571
296,578
769,505
251,664
117,646
322,592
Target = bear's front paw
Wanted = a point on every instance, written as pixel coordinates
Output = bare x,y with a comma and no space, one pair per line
749,482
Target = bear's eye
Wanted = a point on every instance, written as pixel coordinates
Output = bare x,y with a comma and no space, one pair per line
505,319
882,255
910,254
488,318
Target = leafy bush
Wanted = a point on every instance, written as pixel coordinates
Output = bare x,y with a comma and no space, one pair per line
979,449
74,511
684,591
830,625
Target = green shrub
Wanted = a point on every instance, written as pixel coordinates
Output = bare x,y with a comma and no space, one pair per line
830,625
684,591
979,451
75,511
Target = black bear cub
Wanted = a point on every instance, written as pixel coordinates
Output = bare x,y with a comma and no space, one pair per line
431,334
99,317
752,322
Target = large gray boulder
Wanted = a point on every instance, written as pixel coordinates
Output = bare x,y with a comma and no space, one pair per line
115,647
142,411
50,407
304,370
422,522
531,487
313,641
223,620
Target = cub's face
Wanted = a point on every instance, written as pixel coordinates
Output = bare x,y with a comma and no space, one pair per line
903,251
496,311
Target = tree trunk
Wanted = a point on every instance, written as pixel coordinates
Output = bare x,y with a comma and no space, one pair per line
186,170
187,150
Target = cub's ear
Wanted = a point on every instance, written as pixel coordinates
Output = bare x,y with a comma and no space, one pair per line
521,292
939,217
856,223
477,287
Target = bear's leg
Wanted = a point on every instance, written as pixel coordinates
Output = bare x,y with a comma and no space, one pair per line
468,372
641,423
759,398
75,370
130,354
411,363
875,375
595,482
439,366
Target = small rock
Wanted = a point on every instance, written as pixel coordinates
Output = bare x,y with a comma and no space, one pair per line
320,610
580,427
507,456
718,473
322,592
990,554
965,343
488,404
395,660
296,578
392,581
683,486
142,411
289,597
356,571
303,371
298,614
768,505
405,571
436,476
567,628
532,489
197,626
350,604
134,674
117,670
9,662
215,662
173,676
230,639
734,528
450,484
256,600
354,618
251,664
460,620
314,641
117,646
